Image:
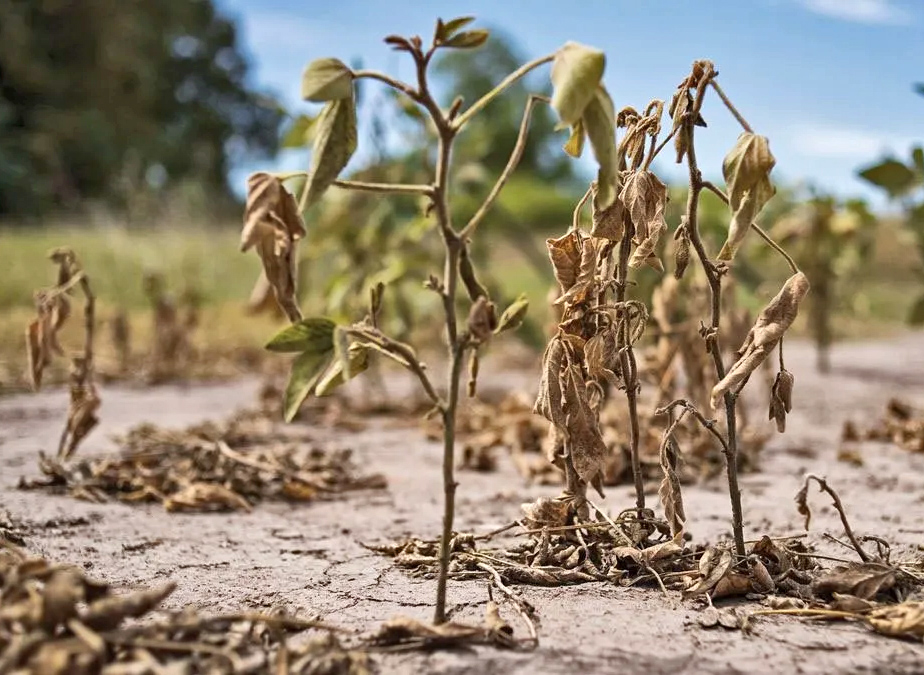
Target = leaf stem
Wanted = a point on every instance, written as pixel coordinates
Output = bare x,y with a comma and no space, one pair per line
520,72
728,104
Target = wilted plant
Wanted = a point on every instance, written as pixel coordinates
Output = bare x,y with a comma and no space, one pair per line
54,308
329,354
831,239
171,348
593,347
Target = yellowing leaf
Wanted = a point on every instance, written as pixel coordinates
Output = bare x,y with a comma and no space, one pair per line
470,39
307,369
576,72
748,163
748,209
575,144
327,80
313,335
599,121
334,144
298,134
513,315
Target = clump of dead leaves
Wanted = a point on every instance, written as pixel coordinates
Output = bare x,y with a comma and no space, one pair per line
902,424
56,621
212,466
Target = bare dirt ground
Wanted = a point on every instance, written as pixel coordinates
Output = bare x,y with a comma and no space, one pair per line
310,559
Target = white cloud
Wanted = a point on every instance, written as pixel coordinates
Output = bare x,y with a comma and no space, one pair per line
833,142
860,11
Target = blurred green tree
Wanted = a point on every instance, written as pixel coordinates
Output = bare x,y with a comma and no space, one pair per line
101,98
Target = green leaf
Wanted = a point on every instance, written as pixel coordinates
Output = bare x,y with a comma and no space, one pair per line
336,375
917,156
514,314
444,31
312,335
334,144
576,73
327,80
298,134
890,175
599,121
306,369
342,350
916,315
470,39
575,144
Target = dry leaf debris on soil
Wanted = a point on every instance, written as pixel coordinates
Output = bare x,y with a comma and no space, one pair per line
546,547
230,465
902,424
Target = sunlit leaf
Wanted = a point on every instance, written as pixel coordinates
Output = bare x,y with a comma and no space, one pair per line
306,370
312,335
341,371
747,164
576,73
327,80
513,315
470,39
334,144
446,30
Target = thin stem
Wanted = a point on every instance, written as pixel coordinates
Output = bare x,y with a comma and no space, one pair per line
520,72
707,424
757,228
576,218
386,188
406,355
731,108
512,163
823,484
403,87
696,185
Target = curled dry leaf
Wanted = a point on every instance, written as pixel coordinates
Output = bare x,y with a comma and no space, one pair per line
273,225
645,197
550,400
669,490
609,222
565,254
862,580
781,398
545,512
772,323
482,319
82,411
583,438
714,564
681,251
746,169
902,620
585,284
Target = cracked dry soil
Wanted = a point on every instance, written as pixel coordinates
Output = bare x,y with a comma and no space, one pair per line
310,558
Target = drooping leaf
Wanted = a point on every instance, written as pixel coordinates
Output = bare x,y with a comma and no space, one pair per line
576,73
298,134
575,145
550,399
584,440
342,351
327,80
356,362
470,39
334,144
599,121
863,580
565,254
445,30
781,398
307,369
891,175
513,316
314,335
746,164
746,213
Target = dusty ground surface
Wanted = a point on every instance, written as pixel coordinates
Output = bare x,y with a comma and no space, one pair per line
310,558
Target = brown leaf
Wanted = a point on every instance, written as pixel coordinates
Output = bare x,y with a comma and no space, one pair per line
608,223
273,225
565,254
669,490
550,399
902,620
583,439
585,284
482,319
863,580
645,197
84,404
108,612
772,323
545,512
714,564
781,398
206,496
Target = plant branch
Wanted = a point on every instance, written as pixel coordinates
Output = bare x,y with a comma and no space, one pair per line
386,188
512,163
823,485
707,424
403,87
406,355
757,228
576,218
728,104
520,72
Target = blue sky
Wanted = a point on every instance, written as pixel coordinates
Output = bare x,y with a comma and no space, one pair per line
828,81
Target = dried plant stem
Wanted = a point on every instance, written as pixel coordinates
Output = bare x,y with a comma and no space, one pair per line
629,368
404,355
713,276
708,425
384,188
823,485
728,104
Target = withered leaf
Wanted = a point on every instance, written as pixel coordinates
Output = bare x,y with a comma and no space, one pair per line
682,251
772,323
844,602
334,144
754,200
902,620
598,121
565,254
781,398
669,490
200,496
645,197
747,173
585,284
545,512
713,566
575,143
482,319
576,73
583,438
863,580
550,399
84,404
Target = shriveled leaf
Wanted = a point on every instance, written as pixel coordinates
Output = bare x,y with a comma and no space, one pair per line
576,73
550,399
336,374
586,283
327,80
903,620
307,369
206,496
863,580
746,165
575,144
313,335
584,440
608,223
669,490
781,398
891,175
470,39
772,323
108,612
714,564
599,122
545,512
85,402
645,197
682,251
565,254
334,144
513,316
